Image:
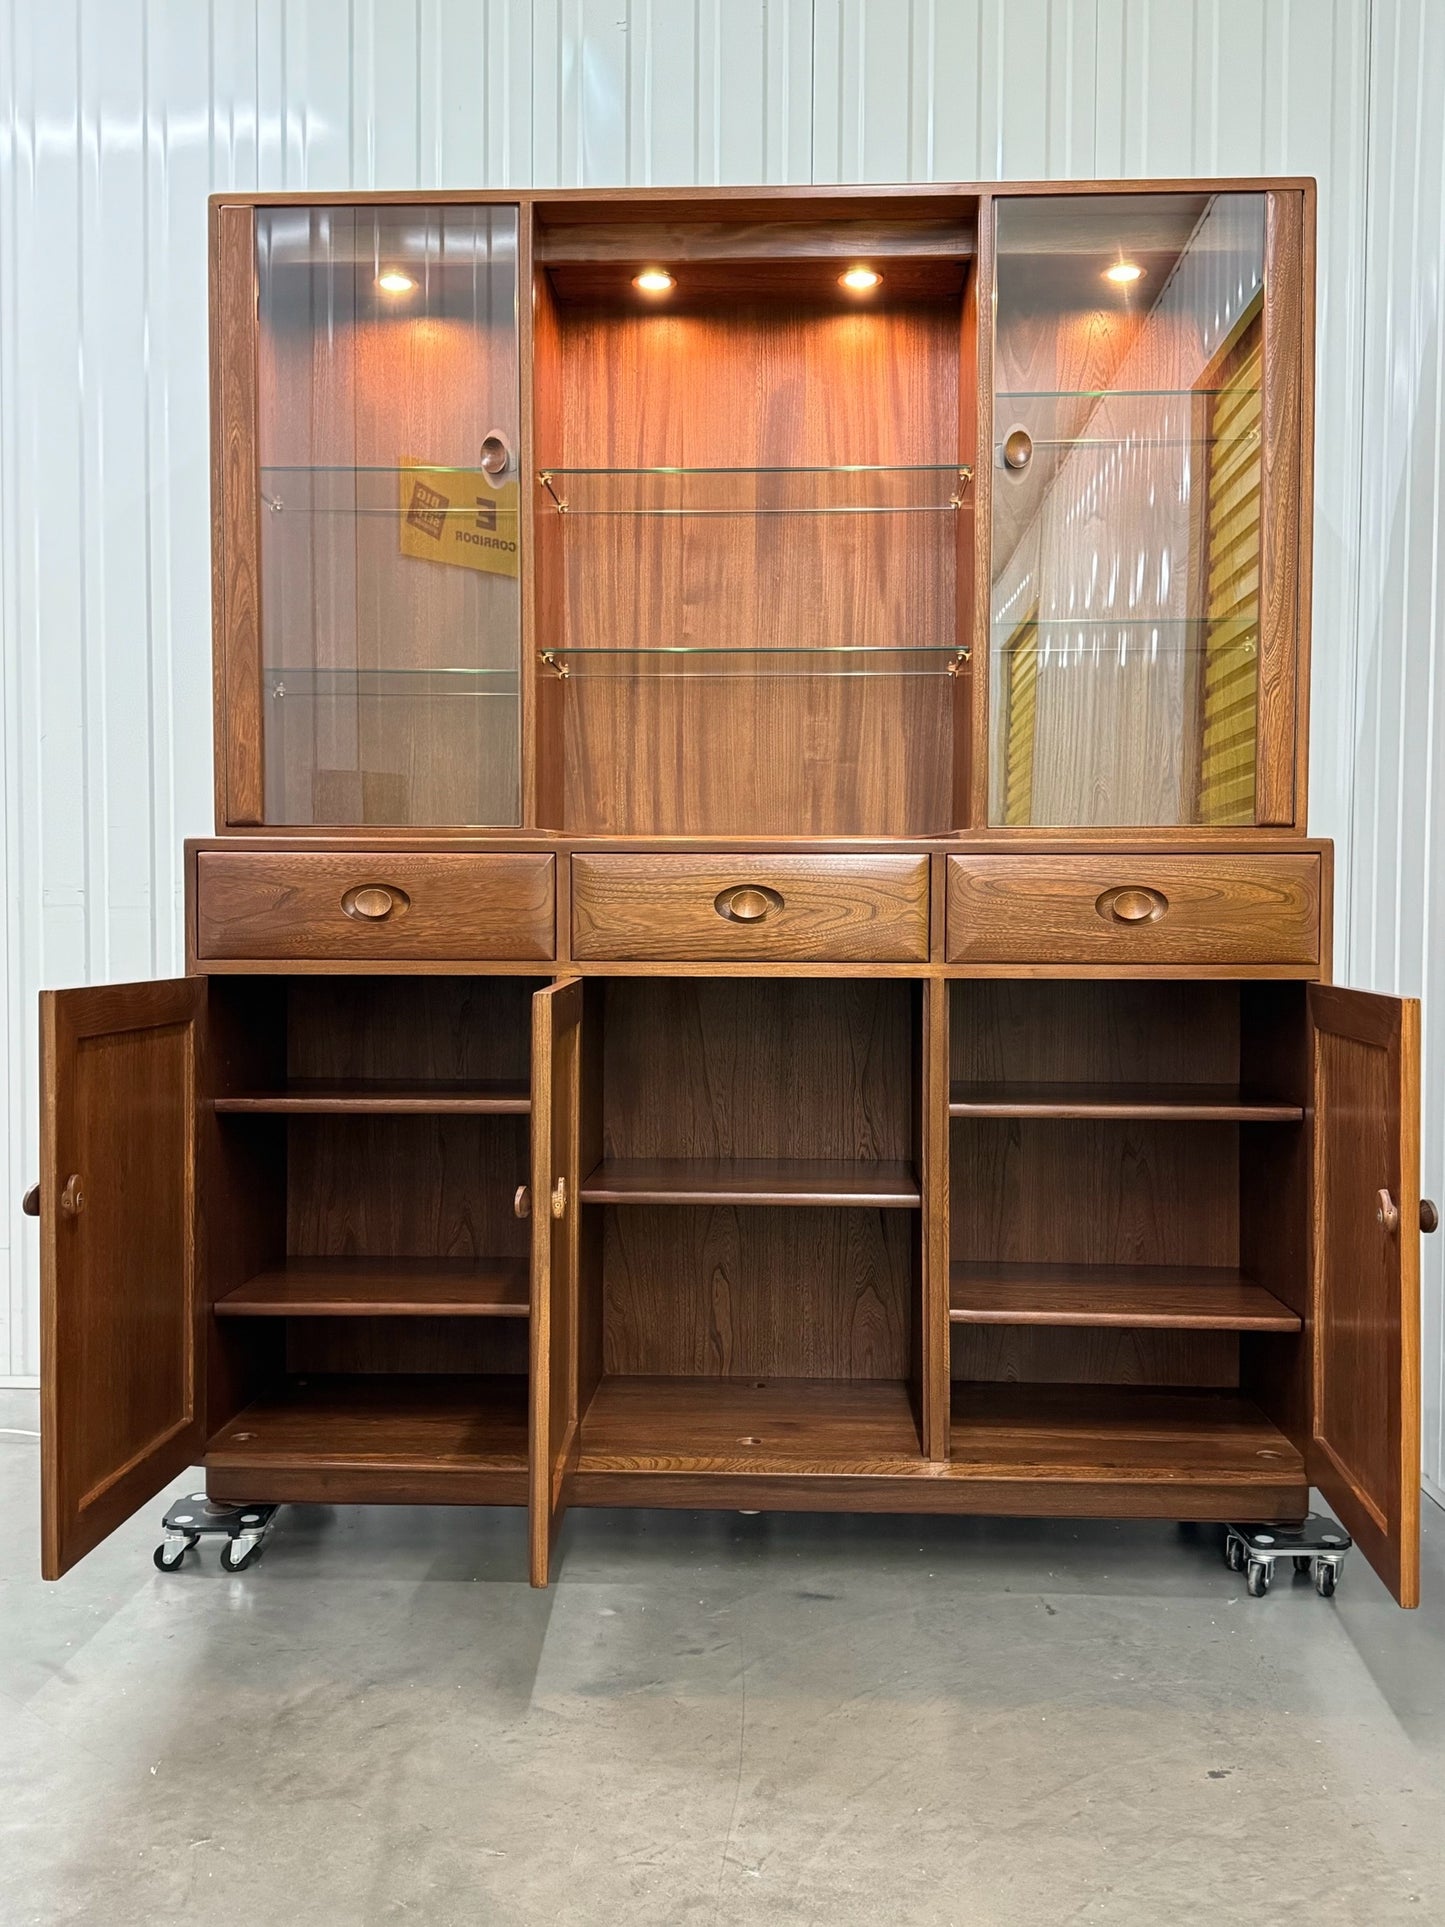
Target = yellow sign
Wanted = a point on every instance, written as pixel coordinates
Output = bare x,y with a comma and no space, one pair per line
460,516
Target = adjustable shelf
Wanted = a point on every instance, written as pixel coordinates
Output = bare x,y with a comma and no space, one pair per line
920,488
877,1183
374,489
1209,1103
702,663
1116,394
1153,1297
312,684
399,1097
383,1288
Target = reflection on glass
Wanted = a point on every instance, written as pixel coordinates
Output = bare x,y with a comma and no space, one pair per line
1126,509
388,507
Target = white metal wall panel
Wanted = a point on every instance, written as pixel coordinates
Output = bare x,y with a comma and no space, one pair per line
117,117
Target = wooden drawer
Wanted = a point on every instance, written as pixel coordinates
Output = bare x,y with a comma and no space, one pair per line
382,904
750,909
1130,909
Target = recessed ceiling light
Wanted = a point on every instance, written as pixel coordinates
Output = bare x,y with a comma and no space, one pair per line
653,281
394,281
1124,273
860,279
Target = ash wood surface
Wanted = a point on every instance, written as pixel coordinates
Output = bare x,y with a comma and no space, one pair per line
946,240
382,1288
235,517
400,1096
374,1437
1021,1031
1365,1450
1220,910
730,1427
1289,375
1210,1102
121,1310
1091,1435
557,1017
758,1291
1178,1297
832,908
456,906
882,1183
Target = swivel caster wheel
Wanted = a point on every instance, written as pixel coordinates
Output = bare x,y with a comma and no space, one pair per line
1234,1553
236,1554
170,1554
1327,1577
1303,1563
1315,1545
1256,1578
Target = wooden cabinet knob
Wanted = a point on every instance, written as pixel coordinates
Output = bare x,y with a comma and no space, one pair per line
72,1198
30,1203
522,1201
746,902
374,902
1429,1216
1132,903
559,1198
1018,449
1387,1211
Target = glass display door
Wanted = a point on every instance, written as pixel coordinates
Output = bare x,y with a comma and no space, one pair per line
1128,509
387,418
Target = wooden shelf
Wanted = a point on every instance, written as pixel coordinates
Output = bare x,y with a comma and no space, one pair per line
429,1438
1208,1103
1116,1435
732,1426
383,1288
1163,1297
883,1183
347,1097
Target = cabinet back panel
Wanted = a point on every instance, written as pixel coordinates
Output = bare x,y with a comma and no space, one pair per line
440,1345
1033,1355
410,1187
444,1029
758,1068
1078,1032
691,1291
762,384
1095,1193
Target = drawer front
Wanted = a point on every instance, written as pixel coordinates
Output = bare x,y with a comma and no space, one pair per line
1134,909
380,905
750,909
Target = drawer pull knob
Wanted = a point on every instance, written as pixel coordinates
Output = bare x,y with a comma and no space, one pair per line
72,1198
1429,1216
1132,903
30,1203
746,902
1018,449
522,1201
374,902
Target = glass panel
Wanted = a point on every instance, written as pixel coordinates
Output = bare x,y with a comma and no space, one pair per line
390,604
703,663
1124,627
845,489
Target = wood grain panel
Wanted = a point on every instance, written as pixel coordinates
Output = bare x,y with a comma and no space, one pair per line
737,1293
833,908
235,511
282,906
879,1183
1097,1036
381,1288
1095,1355
1177,1298
1218,910
121,1330
729,1427
1283,535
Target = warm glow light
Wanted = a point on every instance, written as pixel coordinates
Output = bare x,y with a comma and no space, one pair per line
393,281
860,279
653,281
1123,273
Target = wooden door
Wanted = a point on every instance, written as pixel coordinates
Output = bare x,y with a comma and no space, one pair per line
1365,1445
556,1088
120,1332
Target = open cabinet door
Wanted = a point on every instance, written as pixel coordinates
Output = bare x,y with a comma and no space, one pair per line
1365,1449
556,1216
120,1305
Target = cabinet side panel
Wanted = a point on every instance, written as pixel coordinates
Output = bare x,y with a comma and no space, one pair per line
235,518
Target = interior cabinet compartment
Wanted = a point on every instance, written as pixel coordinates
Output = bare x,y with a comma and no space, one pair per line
754,587
1129,1218
387,412
374,1133
751,1242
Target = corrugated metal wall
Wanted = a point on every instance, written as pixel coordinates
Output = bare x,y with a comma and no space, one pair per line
119,116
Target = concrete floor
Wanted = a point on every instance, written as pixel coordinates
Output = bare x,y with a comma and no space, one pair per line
710,1719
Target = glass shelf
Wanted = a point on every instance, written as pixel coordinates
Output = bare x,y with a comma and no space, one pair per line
929,488
1114,394
370,684
1127,639
361,489
714,664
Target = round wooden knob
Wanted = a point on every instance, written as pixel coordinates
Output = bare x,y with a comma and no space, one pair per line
1387,1211
30,1203
72,1198
522,1201
374,902
1132,903
1429,1216
1018,449
496,453
746,902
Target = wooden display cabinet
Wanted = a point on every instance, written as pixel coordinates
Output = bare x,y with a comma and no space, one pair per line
760,947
